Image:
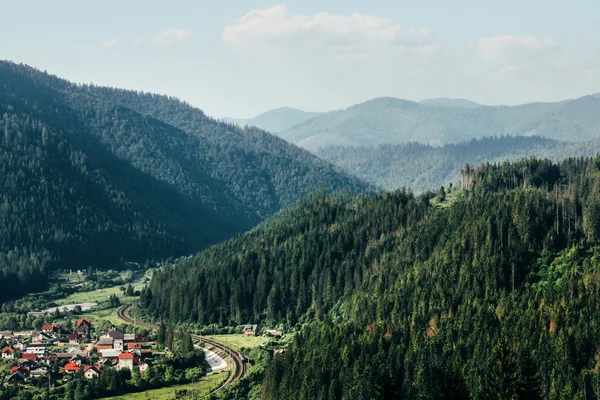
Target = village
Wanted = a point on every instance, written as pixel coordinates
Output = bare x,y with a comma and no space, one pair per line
56,353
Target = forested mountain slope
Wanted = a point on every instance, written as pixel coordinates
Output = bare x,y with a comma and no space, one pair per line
395,121
422,167
91,176
276,120
493,294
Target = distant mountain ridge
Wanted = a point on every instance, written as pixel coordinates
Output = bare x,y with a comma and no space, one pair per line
275,120
423,167
389,120
450,102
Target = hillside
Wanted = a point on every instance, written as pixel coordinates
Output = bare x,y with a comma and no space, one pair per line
396,121
94,176
494,294
422,167
276,120
448,102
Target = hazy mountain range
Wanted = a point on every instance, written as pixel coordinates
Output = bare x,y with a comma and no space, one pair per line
422,167
275,120
395,121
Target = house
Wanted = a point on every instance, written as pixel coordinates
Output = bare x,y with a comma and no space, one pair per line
250,330
90,372
7,335
129,337
118,344
275,333
109,354
17,378
128,360
49,329
29,356
104,343
71,368
40,351
74,338
39,373
134,345
83,325
114,333
20,346
24,370
42,338
8,353
77,359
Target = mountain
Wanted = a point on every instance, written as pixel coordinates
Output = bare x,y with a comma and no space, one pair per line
422,167
448,102
488,291
275,120
93,175
396,121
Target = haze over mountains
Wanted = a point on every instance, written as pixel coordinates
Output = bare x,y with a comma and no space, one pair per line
275,120
396,121
94,175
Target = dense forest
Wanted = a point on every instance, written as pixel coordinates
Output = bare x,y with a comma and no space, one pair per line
490,293
422,167
95,176
390,120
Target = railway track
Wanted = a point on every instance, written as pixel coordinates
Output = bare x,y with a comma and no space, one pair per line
240,365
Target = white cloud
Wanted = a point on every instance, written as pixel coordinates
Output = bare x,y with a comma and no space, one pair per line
501,46
339,35
109,43
170,35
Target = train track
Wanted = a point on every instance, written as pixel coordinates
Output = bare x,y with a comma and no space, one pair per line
240,365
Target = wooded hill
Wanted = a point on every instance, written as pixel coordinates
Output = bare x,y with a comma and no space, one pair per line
93,175
490,293
422,167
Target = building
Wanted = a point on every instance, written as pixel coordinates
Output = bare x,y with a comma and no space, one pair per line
20,346
29,356
39,373
128,360
275,333
75,338
129,337
49,329
71,368
134,345
118,344
42,338
6,335
108,354
104,343
40,351
83,325
16,378
8,353
114,333
251,330
90,372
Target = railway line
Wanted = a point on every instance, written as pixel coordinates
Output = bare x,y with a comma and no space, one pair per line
240,365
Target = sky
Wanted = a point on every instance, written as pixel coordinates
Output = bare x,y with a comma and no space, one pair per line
240,58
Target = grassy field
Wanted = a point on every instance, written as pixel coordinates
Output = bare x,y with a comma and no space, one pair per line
450,199
238,341
98,296
200,389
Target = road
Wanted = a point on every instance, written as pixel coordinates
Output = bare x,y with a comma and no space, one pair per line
240,365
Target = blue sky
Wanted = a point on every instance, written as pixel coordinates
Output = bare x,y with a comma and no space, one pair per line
239,58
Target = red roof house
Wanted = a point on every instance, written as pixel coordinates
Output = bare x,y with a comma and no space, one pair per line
72,367
29,356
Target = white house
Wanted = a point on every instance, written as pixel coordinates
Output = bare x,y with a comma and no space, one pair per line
8,353
118,344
